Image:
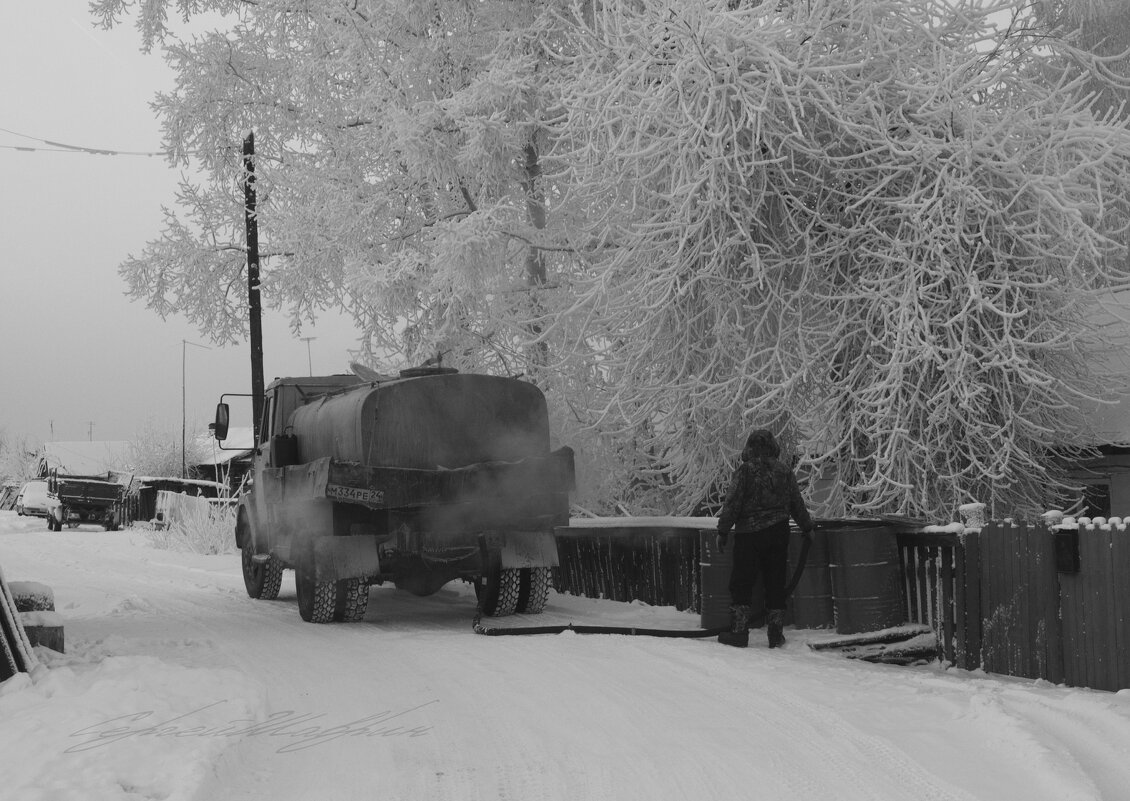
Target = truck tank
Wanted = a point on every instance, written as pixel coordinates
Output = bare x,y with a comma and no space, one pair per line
427,422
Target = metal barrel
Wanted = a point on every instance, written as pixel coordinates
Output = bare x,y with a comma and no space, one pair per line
811,601
866,578
714,584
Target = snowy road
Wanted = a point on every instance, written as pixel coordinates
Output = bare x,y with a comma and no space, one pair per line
176,685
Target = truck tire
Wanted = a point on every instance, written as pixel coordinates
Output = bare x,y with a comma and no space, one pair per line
498,591
317,600
263,580
533,589
352,600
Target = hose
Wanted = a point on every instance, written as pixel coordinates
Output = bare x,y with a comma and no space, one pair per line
479,628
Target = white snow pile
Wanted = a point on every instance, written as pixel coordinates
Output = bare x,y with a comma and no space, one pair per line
177,686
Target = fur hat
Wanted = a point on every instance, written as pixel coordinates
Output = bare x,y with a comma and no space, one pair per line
761,443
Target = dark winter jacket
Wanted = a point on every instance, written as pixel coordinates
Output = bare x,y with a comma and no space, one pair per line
763,491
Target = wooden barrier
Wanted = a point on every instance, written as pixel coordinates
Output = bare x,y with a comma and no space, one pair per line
997,601
1020,602
941,573
651,560
993,597
1096,628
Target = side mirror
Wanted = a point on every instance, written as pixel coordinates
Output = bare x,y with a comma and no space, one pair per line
220,427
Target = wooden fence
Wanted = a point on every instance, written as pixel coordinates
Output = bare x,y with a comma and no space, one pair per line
657,564
1018,600
1025,600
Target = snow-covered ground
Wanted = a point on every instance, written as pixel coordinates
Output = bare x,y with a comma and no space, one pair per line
176,685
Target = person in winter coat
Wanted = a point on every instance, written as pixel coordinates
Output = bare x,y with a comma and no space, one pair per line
762,496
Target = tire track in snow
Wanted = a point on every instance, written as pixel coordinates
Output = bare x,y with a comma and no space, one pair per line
1093,743
818,753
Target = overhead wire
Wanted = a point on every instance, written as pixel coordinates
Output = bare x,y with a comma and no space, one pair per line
62,147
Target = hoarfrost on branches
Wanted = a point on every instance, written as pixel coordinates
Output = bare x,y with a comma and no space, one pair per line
846,221
396,166
876,226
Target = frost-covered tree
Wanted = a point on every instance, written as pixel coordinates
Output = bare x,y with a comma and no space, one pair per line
398,168
18,459
847,221
1100,27
156,451
870,224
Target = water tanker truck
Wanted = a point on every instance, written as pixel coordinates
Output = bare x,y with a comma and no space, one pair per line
417,479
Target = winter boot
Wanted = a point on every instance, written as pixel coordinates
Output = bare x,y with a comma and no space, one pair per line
738,635
775,628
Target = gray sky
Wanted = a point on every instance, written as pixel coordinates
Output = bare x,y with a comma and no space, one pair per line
76,351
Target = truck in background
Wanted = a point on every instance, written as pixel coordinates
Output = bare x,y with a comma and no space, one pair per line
74,500
416,479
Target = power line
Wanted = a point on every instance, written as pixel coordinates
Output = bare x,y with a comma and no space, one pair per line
63,147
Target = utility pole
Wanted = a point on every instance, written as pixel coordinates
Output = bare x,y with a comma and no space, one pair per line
309,359
254,309
90,431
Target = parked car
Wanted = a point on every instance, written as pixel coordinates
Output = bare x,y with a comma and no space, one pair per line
32,499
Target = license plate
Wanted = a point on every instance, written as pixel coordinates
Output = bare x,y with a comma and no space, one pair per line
355,494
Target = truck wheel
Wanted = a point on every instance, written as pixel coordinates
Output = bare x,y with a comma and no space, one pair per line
317,600
352,600
533,589
263,579
498,591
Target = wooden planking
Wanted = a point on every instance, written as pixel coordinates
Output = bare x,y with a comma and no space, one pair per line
972,622
933,580
1045,604
1026,642
1091,555
1102,615
1098,579
1032,654
1120,567
993,576
942,574
1018,586
1073,613
909,587
656,565
1050,609
1020,634
947,597
1094,631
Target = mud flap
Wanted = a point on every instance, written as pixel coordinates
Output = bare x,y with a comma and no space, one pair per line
337,558
523,548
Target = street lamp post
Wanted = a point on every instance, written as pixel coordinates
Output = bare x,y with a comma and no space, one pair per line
184,403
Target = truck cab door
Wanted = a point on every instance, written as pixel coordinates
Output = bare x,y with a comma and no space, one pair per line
261,460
